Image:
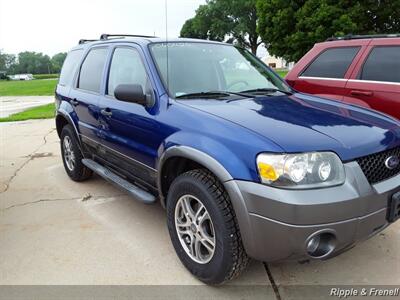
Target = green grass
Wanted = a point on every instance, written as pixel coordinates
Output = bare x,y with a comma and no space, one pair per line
39,112
28,87
282,73
46,76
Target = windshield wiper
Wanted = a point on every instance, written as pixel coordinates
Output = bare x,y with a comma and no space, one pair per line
211,94
266,90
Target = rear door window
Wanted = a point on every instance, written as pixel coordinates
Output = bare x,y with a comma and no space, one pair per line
92,70
332,63
382,64
69,67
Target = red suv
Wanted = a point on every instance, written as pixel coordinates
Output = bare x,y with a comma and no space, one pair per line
361,70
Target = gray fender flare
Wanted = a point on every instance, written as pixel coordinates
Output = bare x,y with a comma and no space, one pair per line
237,200
64,114
197,156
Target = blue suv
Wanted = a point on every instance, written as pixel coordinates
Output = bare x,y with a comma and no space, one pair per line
245,166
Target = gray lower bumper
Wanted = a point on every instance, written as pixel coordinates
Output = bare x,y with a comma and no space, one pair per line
276,223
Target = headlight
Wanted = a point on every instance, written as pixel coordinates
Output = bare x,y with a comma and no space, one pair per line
301,171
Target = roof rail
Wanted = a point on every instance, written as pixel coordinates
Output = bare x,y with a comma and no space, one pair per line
105,36
82,41
357,37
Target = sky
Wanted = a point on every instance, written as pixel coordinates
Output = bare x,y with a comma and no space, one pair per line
52,26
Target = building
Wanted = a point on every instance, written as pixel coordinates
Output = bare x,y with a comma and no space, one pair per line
277,62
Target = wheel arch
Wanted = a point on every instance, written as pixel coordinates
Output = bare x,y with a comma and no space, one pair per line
184,158
185,154
63,119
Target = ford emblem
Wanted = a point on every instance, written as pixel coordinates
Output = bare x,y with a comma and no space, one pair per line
392,162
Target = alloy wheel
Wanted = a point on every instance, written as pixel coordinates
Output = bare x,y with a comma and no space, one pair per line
69,155
195,229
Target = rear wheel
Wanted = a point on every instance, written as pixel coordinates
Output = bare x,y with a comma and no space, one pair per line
72,155
203,227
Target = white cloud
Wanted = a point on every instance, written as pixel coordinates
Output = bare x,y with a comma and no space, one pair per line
52,26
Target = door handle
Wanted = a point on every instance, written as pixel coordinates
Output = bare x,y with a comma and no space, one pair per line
106,112
361,93
74,102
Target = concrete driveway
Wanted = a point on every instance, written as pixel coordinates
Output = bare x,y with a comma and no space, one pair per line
54,231
12,104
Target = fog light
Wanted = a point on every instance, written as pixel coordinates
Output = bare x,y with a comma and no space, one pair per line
321,244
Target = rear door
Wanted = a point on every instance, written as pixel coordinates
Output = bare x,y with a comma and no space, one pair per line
129,131
86,92
376,80
325,76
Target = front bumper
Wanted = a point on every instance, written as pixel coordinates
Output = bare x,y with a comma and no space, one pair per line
276,224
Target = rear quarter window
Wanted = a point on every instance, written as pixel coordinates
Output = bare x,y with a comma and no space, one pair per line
382,64
69,67
331,63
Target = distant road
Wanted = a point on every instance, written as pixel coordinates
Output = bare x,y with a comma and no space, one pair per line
12,104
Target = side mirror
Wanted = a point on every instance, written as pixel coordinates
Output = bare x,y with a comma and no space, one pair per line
130,93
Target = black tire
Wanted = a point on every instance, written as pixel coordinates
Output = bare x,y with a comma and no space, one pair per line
79,172
229,258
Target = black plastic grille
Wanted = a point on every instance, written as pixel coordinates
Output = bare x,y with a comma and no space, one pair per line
374,166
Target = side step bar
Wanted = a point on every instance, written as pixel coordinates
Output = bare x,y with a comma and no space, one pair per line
132,189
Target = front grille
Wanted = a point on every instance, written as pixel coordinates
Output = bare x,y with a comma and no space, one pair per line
374,166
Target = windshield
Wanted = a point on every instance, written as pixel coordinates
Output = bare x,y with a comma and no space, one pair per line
195,67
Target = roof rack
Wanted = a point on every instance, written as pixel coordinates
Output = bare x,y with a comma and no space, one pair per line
106,36
357,37
83,41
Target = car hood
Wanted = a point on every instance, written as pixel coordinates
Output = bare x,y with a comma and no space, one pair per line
300,123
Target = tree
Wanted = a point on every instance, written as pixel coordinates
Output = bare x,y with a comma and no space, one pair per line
234,21
189,29
32,62
2,61
57,62
290,28
243,16
379,16
201,26
7,62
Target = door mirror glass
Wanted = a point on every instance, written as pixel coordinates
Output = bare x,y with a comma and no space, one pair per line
130,93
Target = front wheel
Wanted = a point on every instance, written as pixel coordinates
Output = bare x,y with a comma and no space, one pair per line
203,228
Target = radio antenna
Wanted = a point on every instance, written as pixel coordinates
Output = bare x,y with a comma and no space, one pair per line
166,39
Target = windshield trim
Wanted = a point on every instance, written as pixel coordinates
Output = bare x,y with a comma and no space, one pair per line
240,49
